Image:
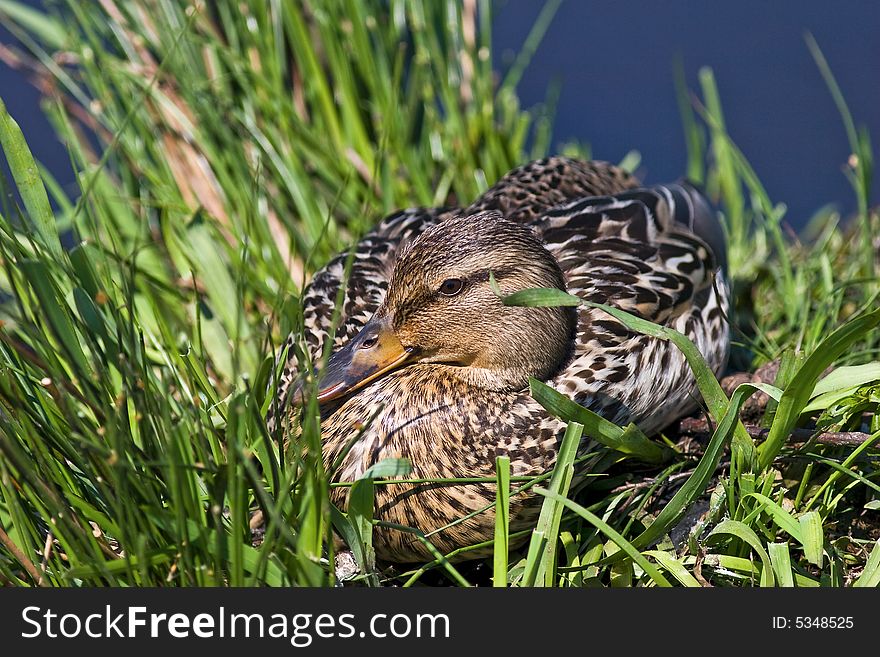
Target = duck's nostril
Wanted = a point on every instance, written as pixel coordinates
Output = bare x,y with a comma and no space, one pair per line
369,342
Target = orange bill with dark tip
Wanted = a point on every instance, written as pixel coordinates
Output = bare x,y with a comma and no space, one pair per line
374,351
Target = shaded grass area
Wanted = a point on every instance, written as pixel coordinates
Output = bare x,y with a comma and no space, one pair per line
223,156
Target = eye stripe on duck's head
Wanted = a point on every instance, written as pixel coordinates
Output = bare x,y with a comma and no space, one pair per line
468,249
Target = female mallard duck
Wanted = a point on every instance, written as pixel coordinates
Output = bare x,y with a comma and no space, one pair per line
437,368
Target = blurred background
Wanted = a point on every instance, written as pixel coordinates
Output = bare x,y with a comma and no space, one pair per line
612,65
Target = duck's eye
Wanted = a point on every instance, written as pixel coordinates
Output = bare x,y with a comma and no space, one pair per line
451,286
369,342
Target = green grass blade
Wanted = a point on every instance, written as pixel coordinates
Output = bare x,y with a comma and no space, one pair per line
695,485
625,546
780,559
44,27
502,522
390,467
797,393
545,297
27,178
843,469
870,576
748,536
783,519
842,378
813,538
547,528
55,311
627,441
675,568
361,502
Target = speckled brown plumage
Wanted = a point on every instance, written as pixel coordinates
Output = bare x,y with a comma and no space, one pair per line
461,398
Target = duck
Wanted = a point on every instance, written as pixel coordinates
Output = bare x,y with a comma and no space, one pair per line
429,365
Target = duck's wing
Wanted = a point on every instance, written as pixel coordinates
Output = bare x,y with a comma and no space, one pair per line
528,191
372,262
648,251
659,253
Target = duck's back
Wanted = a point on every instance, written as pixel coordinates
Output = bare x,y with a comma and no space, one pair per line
656,252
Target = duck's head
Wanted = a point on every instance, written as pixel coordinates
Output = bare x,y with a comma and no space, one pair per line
441,308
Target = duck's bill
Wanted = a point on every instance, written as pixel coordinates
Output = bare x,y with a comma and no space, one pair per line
373,352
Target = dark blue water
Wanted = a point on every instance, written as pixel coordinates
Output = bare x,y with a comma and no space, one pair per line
615,62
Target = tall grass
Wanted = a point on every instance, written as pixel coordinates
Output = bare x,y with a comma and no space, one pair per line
224,152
